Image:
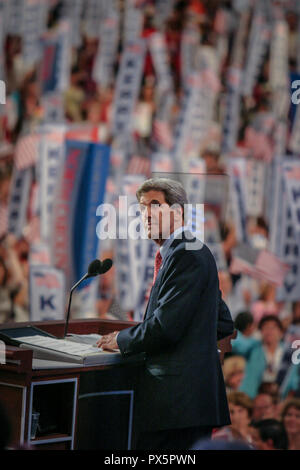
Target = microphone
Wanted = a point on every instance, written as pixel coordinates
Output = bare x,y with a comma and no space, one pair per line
95,267
106,265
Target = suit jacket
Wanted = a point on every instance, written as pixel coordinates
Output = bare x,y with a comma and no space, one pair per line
181,384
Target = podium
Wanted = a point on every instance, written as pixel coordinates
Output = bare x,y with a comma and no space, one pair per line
79,407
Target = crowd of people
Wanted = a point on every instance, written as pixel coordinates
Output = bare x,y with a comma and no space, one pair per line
261,372
263,384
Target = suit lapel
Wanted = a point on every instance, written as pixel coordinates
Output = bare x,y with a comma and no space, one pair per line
154,288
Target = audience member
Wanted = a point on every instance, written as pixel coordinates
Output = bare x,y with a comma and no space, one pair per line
265,358
233,371
264,407
269,434
245,340
14,282
291,420
240,408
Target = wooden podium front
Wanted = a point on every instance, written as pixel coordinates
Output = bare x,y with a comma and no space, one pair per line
79,407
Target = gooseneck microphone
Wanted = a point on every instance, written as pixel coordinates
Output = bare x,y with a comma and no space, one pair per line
106,265
95,268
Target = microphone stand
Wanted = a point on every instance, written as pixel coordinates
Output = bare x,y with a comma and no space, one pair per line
95,268
70,300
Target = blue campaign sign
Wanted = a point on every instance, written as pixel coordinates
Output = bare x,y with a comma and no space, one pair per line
89,195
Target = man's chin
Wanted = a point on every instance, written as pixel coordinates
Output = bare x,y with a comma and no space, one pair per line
153,235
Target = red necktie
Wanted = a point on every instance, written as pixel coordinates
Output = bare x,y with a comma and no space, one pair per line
157,264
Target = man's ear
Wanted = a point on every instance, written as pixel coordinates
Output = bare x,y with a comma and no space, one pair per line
180,211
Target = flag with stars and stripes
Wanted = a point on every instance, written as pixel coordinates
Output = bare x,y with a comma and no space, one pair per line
259,264
139,166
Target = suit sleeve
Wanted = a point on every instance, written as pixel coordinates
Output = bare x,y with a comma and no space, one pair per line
225,325
180,288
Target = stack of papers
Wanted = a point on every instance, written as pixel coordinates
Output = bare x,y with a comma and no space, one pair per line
73,349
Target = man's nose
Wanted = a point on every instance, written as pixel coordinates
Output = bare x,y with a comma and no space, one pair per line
149,214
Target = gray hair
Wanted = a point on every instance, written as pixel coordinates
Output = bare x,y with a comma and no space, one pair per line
173,190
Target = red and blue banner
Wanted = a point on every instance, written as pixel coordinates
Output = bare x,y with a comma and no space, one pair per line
81,190
56,54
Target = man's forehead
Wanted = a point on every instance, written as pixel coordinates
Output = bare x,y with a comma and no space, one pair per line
152,195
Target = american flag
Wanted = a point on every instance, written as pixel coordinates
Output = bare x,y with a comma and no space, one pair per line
48,280
39,254
26,152
162,134
270,268
259,264
139,166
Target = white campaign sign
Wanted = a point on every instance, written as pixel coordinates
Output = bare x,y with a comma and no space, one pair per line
127,87
159,53
47,293
107,50
50,163
19,199
259,39
291,172
255,187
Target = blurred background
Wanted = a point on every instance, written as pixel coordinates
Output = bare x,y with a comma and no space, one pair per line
97,96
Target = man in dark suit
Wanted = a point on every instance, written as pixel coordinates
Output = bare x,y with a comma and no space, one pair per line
181,395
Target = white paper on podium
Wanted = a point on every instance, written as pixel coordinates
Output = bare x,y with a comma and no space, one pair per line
38,364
